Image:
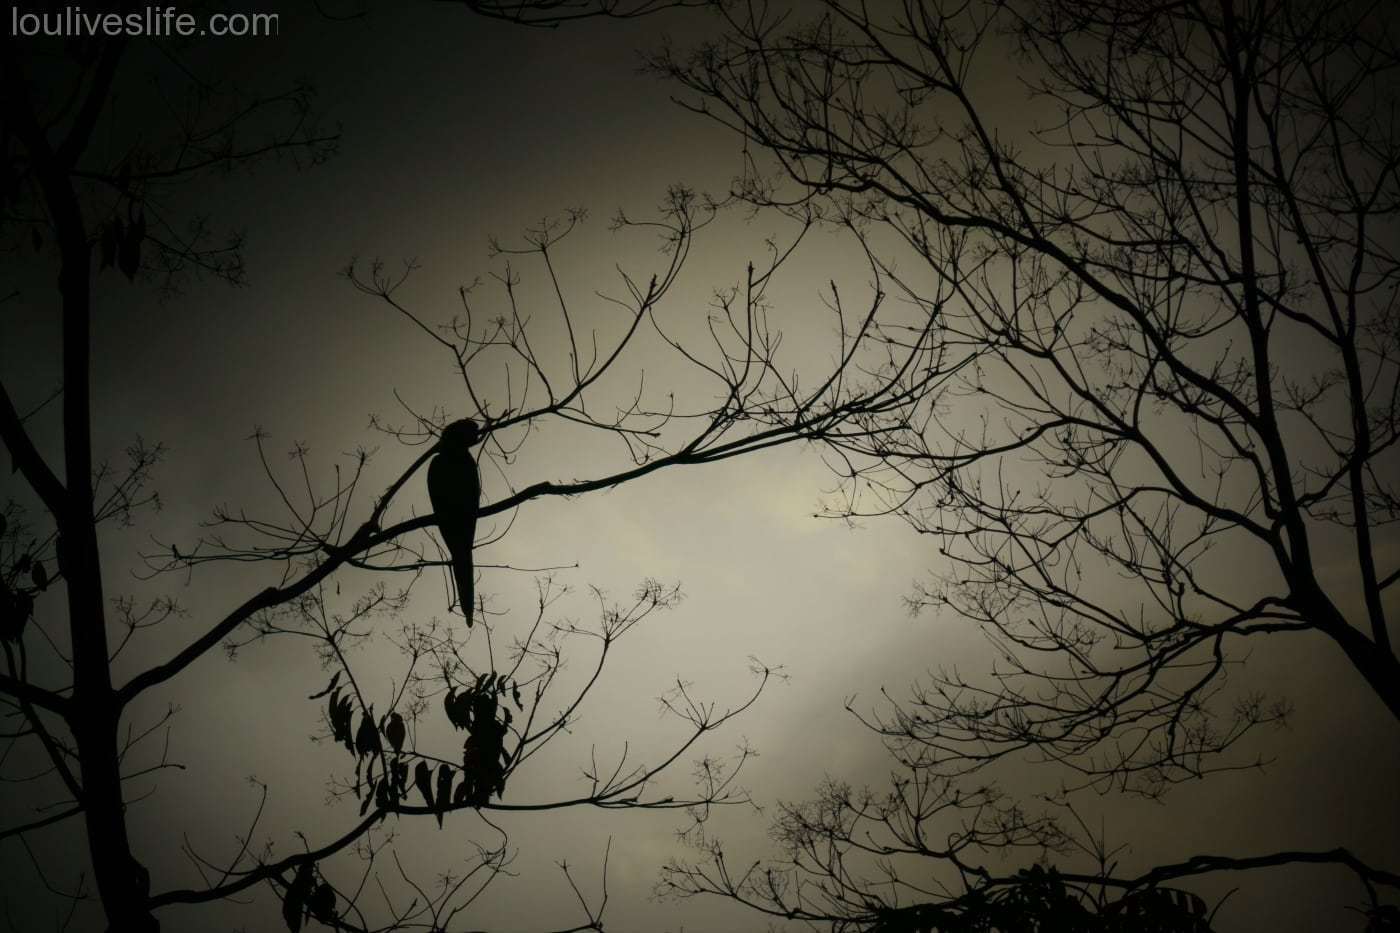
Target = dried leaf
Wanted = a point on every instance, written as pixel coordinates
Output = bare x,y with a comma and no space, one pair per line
367,737
423,779
321,903
294,903
395,731
329,688
444,790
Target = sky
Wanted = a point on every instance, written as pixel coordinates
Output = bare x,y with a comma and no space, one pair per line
456,129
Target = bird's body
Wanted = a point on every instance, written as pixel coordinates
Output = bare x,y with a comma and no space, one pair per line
454,488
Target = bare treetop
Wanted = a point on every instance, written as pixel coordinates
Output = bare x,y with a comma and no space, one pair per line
1167,276
1158,241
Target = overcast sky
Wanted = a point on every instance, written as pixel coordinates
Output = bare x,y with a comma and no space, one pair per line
456,129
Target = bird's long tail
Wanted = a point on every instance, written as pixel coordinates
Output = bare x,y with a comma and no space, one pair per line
466,595
459,546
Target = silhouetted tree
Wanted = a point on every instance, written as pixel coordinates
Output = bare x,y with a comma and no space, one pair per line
82,209
88,210
1158,240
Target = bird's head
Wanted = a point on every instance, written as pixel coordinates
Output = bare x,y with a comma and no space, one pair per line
460,435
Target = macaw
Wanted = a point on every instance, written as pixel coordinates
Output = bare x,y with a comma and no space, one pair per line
454,488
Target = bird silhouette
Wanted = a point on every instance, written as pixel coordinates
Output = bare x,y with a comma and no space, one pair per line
454,488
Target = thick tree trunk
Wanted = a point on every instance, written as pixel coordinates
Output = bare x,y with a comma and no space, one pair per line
1376,663
122,882
96,715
